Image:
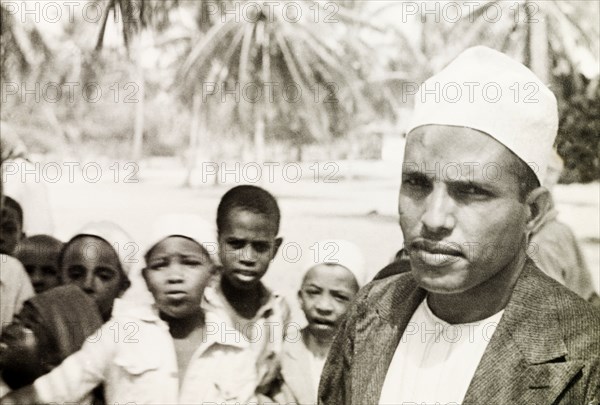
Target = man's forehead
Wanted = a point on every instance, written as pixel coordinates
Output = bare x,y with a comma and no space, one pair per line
455,153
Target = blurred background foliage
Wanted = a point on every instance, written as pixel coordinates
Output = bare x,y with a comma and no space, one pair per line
153,60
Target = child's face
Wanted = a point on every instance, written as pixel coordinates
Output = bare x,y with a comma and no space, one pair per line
177,272
324,297
10,230
41,263
247,244
93,265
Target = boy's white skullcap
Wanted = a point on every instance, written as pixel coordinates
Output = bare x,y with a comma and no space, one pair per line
340,252
187,225
486,90
123,244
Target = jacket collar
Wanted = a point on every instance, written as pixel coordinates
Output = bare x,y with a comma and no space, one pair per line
525,360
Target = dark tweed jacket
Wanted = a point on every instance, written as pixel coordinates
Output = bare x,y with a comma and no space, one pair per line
546,348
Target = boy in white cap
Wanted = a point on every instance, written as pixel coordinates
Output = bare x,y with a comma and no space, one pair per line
98,260
333,276
475,321
164,354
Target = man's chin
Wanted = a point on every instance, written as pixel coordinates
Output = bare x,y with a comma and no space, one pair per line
440,283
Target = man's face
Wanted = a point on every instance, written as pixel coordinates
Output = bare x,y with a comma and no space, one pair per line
41,264
177,272
459,208
247,244
93,265
325,295
10,230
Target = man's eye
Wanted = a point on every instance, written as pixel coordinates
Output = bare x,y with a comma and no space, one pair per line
30,269
470,190
415,182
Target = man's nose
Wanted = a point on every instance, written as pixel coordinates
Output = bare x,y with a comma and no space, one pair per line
438,217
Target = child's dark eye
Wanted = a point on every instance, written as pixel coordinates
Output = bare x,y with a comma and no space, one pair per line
236,244
341,298
9,227
261,247
105,274
312,291
192,262
157,265
76,272
49,271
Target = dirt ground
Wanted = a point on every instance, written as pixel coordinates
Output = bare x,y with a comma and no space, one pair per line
358,205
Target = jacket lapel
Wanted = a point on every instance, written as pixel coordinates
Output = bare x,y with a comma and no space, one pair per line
525,359
377,336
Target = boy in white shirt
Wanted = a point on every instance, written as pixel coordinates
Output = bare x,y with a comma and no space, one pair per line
164,354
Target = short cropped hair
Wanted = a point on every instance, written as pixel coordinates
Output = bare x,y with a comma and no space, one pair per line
12,203
48,243
248,198
61,257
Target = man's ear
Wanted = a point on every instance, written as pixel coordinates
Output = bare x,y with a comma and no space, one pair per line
125,284
278,242
539,202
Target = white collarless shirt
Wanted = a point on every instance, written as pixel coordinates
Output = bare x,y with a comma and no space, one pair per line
435,361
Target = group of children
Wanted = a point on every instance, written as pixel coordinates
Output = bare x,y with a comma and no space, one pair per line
212,331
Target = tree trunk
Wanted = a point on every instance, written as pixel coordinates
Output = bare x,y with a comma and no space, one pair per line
299,152
259,138
193,145
138,132
537,56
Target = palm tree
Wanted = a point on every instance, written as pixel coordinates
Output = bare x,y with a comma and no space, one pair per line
263,48
538,33
136,16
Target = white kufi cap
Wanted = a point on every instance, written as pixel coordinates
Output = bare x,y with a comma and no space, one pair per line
486,90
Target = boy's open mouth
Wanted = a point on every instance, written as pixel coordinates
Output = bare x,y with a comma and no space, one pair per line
176,295
245,274
323,322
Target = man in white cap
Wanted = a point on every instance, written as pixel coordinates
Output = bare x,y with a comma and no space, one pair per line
475,321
